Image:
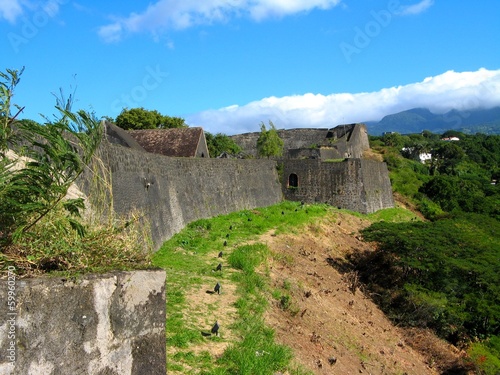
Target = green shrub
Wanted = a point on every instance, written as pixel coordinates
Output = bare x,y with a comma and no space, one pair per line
485,356
441,274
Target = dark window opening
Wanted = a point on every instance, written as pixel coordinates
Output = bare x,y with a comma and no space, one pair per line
293,180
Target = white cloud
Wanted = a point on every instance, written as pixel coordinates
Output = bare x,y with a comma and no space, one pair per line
414,9
110,33
181,14
10,10
450,90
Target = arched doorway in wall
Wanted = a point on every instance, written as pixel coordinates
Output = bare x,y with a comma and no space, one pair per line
293,180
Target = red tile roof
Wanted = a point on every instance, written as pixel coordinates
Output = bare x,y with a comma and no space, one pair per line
181,142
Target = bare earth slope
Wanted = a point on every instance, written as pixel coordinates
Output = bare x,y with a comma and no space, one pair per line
332,326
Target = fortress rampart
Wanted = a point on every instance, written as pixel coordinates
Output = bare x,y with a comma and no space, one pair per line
292,139
172,192
354,184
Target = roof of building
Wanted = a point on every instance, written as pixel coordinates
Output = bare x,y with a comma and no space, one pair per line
181,142
117,135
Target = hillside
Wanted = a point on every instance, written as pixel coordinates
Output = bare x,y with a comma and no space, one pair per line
416,120
334,318
314,307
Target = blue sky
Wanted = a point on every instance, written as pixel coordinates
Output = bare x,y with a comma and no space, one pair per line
227,65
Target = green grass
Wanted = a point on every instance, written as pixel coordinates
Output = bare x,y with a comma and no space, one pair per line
391,215
256,353
190,257
485,356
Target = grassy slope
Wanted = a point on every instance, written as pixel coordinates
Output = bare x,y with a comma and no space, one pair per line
245,345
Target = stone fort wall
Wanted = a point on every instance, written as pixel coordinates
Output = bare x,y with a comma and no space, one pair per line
354,184
172,192
343,141
292,139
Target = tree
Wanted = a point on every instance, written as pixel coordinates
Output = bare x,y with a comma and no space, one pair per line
394,140
269,142
446,157
219,143
140,118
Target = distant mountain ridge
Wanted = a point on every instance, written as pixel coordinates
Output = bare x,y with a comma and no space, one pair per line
416,120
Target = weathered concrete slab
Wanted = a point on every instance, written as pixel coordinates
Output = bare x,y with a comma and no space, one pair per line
112,323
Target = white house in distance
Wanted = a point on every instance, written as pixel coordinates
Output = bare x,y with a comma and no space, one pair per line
423,157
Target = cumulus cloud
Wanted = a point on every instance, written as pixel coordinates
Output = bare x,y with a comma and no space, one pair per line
414,9
10,10
450,90
181,14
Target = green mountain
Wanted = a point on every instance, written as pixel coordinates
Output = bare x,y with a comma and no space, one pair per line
416,120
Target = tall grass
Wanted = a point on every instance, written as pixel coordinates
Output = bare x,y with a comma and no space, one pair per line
41,226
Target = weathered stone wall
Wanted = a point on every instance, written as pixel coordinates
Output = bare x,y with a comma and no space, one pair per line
111,324
303,153
172,192
346,141
292,139
354,184
343,141
376,185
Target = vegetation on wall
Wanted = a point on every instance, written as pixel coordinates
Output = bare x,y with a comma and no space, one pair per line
269,142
